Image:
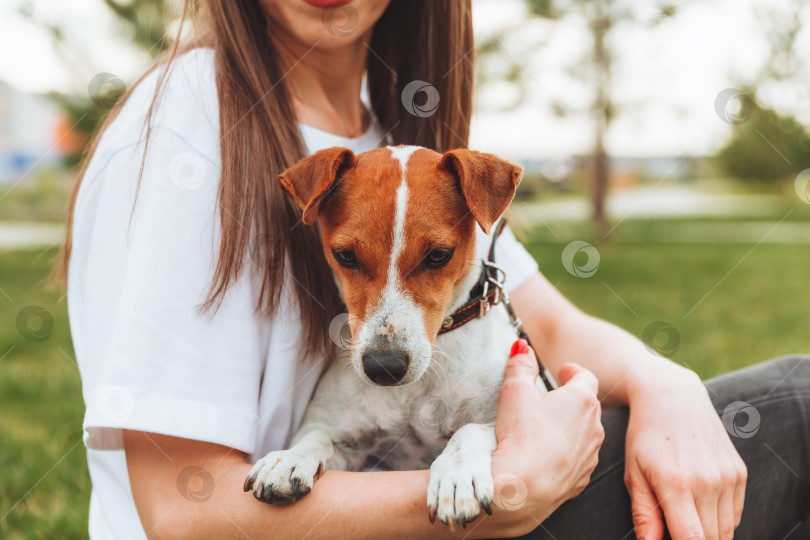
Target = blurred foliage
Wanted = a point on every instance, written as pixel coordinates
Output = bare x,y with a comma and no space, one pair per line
766,147
146,24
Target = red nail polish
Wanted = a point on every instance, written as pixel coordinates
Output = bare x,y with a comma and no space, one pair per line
519,347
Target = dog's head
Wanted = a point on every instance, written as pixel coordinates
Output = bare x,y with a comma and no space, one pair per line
398,230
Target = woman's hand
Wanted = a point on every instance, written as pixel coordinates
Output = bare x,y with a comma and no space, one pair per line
680,459
548,444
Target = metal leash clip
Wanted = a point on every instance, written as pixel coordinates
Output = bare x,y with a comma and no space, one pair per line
496,276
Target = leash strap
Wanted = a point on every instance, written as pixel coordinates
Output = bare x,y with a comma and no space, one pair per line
489,292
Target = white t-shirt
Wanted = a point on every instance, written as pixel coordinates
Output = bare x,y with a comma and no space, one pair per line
150,360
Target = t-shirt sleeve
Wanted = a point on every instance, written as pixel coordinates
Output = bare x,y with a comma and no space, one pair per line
151,358
510,254
170,367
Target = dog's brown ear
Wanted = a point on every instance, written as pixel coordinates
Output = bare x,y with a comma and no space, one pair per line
487,182
312,178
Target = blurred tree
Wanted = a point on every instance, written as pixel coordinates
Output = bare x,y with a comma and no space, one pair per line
766,147
602,18
768,143
146,24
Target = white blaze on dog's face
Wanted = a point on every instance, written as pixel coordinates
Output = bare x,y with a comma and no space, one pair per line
398,230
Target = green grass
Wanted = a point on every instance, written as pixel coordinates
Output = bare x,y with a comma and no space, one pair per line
753,303
42,196
40,410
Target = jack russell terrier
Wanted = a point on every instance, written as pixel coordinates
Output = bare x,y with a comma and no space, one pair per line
398,229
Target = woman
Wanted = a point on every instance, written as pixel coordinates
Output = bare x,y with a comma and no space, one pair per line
200,312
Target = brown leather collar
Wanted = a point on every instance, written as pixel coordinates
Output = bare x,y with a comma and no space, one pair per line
488,292
468,311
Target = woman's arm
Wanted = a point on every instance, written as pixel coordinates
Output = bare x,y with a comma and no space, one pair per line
374,505
562,333
342,505
679,458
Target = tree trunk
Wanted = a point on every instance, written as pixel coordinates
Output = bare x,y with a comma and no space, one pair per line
600,167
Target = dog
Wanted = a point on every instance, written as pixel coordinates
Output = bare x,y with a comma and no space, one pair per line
419,384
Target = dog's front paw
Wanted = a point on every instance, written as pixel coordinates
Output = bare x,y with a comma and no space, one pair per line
460,487
283,477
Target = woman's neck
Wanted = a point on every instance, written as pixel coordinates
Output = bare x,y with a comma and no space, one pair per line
325,84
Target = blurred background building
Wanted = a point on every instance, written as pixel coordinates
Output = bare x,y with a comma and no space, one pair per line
29,132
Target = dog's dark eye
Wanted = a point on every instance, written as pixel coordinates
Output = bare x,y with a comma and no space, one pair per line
345,258
436,258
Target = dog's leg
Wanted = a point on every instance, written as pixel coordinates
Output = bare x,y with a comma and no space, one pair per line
283,476
461,477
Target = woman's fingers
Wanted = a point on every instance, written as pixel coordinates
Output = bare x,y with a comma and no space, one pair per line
517,390
681,513
725,515
647,520
567,371
575,375
522,364
739,491
707,506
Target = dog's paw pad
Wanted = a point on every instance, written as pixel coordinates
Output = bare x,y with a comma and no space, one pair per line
460,487
282,477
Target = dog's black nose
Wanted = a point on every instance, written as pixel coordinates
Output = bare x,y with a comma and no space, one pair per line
385,368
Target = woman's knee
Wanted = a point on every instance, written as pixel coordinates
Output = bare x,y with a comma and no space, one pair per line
798,364
783,375
789,373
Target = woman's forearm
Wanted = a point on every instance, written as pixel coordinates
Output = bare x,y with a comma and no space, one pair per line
617,358
562,333
341,505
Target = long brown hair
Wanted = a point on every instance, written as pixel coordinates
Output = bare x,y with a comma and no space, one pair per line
414,40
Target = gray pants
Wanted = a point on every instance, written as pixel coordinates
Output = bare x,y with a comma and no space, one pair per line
775,448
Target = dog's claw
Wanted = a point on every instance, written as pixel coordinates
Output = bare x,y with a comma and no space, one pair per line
432,514
282,477
459,489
